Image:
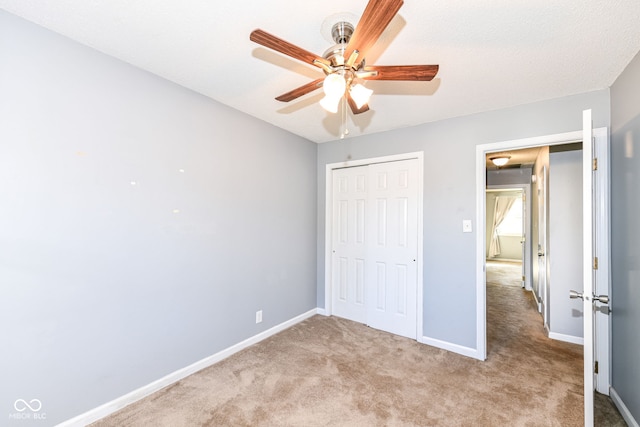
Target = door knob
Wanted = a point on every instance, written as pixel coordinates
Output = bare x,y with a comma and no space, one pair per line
604,299
575,294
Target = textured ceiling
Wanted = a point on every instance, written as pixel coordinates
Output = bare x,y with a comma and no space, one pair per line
492,54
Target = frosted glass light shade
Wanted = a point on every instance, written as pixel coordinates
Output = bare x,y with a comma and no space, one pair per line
334,85
360,94
330,103
500,161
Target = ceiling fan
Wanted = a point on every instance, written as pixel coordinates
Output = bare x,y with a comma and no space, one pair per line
344,64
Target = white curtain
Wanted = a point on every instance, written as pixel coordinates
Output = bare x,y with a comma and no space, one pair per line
503,204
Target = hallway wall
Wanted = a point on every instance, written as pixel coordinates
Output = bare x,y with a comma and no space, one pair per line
564,255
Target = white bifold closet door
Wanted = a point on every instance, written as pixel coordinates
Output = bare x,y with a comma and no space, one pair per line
375,245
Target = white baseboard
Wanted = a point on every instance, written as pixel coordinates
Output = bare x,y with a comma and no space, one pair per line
129,398
624,411
322,311
455,348
566,338
535,297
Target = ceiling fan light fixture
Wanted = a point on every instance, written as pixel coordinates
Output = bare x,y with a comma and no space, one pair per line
500,160
345,60
360,94
334,85
330,103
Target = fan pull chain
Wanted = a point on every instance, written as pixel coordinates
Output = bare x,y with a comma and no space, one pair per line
344,118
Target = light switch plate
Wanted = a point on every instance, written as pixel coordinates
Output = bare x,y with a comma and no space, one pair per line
466,226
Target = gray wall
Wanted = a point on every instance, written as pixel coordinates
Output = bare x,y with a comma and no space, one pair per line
564,253
107,286
625,235
449,255
509,176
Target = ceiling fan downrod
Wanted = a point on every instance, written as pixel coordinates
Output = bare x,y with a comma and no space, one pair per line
342,32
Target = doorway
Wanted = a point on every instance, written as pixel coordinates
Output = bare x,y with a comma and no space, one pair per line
506,239
601,246
508,233
373,256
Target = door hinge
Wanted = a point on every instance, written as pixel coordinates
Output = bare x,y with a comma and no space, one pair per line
595,368
523,278
595,263
595,164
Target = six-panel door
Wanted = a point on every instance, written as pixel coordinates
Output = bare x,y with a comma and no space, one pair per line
375,245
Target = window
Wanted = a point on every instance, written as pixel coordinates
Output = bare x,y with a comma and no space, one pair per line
512,223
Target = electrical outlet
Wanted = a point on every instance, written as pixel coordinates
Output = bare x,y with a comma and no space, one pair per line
466,226
258,316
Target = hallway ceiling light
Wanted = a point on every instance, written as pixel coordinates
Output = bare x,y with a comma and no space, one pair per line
500,160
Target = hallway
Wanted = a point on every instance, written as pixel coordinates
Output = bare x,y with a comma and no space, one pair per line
511,308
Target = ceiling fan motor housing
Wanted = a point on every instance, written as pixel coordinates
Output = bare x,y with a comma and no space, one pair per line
341,33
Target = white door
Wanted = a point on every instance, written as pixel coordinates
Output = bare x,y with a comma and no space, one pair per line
350,202
375,245
391,286
595,344
542,244
595,265
587,265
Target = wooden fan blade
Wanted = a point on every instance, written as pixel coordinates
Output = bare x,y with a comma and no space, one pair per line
375,19
302,90
354,107
283,46
402,72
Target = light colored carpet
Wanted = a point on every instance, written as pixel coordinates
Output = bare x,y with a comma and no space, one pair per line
504,273
328,371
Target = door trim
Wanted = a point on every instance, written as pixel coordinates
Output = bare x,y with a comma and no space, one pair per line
328,224
601,134
602,224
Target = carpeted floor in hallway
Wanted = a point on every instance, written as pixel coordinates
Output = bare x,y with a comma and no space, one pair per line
506,273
